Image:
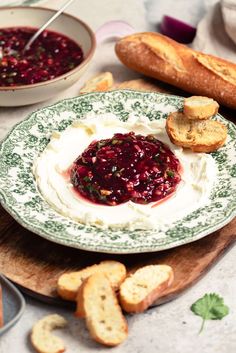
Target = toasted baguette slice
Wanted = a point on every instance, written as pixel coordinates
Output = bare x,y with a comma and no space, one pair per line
101,82
198,108
41,337
69,283
142,288
199,136
103,315
1,308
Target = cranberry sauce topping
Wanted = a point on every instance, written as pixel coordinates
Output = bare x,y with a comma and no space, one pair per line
51,55
126,167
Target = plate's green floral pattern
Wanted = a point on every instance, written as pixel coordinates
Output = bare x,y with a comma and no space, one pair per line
20,197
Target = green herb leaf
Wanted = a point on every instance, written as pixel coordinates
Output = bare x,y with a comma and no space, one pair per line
9,80
86,179
91,188
71,66
115,141
101,144
170,173
210,307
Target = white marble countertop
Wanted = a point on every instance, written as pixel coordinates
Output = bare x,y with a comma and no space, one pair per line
171,327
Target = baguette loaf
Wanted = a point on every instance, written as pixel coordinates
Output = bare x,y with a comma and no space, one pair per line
199,136
69,283
98,303
142,288
160,57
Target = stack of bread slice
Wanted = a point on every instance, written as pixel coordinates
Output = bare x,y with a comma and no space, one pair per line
103,290
68,284
98,304
194,129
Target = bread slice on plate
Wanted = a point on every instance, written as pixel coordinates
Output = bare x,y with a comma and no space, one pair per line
198,108
199,136
69,283
97,301
101,82
142,288
42,338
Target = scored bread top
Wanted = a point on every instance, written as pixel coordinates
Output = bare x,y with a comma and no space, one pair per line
69,283
103,315
198,107
162,58
199,136
142,288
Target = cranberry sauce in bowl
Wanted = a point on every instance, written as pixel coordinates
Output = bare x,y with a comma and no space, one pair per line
126,167
51,55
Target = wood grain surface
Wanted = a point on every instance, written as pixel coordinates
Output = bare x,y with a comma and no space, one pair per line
35,264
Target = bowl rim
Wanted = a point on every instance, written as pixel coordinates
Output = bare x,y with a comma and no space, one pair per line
10,285
65,75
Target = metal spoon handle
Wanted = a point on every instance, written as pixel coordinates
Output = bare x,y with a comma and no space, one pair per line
41,29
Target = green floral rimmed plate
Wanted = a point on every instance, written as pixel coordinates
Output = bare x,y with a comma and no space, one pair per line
20,197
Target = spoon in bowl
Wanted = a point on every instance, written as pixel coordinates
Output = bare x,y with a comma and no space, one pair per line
39,31
43,27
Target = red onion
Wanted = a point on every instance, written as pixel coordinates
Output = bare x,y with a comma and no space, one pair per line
177,30
113,29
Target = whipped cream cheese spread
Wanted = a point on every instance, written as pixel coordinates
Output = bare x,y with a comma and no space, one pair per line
50,169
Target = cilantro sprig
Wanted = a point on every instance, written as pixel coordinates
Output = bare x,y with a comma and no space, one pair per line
210,307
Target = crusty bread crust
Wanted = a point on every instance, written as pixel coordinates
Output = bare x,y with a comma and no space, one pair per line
200,108
162,58
142,288
41,337
97,302
80,300
199,136
69,283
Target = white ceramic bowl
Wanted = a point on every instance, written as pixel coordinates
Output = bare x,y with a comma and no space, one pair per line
66,24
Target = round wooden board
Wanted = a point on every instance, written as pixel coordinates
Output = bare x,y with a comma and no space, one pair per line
35,264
